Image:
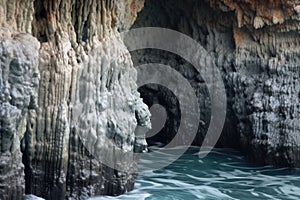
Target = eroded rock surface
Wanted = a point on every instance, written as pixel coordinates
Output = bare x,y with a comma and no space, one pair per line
68,95
255,45
18,89
68,99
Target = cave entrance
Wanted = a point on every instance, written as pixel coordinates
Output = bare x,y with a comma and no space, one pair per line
203,26
164,105
165,114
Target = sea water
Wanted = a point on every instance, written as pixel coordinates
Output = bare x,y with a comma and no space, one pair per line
222,174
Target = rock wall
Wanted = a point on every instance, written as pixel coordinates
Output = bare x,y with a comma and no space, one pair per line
68,99
18,86
68,95
255,45
266,79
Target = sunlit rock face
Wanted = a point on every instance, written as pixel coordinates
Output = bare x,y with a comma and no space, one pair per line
68,98
255,45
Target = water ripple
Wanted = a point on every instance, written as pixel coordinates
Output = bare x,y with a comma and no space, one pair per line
223,174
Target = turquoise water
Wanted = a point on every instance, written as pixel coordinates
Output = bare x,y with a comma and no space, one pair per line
223,174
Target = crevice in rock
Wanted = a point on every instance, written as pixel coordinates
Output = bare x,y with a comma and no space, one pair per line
40,16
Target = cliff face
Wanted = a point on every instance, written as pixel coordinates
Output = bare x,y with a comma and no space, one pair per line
255,45
266,81
261,14
68,97
63,65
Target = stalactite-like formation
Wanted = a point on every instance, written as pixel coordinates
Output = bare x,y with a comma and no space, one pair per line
68,94
63,66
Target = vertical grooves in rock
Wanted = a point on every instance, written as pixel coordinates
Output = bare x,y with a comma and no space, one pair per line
68,94
64,100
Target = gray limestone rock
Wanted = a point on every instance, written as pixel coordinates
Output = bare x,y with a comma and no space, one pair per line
70,114
69,99
259,60
18,89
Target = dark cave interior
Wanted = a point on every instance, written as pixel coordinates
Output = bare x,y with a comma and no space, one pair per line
173,15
